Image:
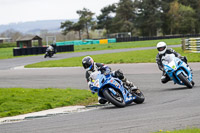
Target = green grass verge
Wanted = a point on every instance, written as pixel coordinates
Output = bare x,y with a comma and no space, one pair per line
15,101
141,56
192,130
6,53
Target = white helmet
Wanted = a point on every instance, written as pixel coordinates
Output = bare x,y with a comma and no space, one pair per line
162,47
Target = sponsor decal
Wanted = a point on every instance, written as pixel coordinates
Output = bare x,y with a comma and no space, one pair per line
128,98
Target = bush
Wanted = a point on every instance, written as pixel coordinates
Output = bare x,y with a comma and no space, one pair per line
7,45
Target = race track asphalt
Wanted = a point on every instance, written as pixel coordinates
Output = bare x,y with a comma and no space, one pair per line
166,107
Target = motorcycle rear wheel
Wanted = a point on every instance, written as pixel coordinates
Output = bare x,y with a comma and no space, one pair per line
114,99
139,96
185,80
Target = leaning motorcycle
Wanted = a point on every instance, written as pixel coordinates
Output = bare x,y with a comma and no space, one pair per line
49,53
112,90
177,70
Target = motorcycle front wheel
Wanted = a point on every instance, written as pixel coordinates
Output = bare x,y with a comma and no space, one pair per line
117,99
185,80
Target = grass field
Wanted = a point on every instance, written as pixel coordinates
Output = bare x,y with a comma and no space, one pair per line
6,53
15,101
189,130
141,56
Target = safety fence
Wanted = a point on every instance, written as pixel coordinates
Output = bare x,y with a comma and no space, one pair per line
191,45
87,41
40,50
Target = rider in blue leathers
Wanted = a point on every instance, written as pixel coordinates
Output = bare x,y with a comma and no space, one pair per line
91,66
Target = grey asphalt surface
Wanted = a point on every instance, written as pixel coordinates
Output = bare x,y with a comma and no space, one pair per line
166,107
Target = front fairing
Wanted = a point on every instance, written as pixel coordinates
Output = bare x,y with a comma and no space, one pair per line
170,68
96,82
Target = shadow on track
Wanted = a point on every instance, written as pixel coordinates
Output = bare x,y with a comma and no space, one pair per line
178,89
111,106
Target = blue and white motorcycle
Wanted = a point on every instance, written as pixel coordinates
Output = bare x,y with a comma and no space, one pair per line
112,90
177,70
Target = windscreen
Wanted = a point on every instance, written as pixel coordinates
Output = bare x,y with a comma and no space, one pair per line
94,75
167,58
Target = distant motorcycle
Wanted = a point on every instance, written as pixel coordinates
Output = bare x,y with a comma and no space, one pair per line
177,70
49,52
112,90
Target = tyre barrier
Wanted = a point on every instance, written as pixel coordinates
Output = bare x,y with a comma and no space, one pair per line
191,45
87,41
40,50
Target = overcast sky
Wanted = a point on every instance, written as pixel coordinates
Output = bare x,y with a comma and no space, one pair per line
14,11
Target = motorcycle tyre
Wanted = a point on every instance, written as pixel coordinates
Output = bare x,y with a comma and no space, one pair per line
139,97
185,80
111,99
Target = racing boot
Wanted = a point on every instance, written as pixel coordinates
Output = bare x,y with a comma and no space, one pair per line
164,78
129,84
101,101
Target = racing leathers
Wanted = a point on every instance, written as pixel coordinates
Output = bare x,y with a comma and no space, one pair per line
49,48
165,78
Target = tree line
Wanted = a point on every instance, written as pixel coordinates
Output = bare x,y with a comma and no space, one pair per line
140,17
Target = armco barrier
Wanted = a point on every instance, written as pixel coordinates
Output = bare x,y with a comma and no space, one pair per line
40,50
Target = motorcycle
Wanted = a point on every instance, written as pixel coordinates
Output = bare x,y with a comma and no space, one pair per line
112,90
177,70
49,53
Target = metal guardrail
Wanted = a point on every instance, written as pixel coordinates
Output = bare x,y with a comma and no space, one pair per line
191,45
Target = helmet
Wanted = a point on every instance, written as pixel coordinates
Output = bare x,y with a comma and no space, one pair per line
162,47
88,63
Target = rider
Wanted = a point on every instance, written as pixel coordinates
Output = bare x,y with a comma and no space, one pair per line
54,47
49,48
162,50
91,66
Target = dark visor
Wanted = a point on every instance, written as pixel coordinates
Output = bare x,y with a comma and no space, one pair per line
86,66
161,48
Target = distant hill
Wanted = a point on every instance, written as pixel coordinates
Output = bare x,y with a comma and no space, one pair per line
34,27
